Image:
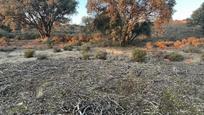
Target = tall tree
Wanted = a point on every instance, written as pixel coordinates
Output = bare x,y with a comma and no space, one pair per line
197,18
40,14
126,19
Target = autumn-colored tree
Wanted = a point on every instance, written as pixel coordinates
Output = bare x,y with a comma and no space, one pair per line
197,17
40,14
126,19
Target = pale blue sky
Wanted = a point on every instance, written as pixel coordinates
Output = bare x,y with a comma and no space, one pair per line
184,9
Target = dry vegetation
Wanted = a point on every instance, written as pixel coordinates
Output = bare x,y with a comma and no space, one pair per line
120,68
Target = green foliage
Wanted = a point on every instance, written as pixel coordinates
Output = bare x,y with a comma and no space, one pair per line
88,23
68,47
174,57
56,50
37,14
139,55
197,17
101,23
29,53
143,28
100,55
6,28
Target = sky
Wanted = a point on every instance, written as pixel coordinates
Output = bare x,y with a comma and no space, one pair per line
184,9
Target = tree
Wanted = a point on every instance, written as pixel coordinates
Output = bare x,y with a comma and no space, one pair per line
40,14
88,23
197,18
125,20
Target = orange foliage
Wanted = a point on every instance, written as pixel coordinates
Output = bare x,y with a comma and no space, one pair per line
149,45
177,44
160,44
97,37
74,40
83,38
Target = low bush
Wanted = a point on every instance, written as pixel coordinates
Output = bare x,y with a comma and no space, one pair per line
68,47
86,47
172,104
29,53
174,57
85,55
56,50
100,55
192,50
139,55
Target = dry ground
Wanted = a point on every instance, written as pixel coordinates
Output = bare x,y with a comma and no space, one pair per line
65,84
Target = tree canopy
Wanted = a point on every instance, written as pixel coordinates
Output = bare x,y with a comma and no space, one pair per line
40,14
197,17
124,19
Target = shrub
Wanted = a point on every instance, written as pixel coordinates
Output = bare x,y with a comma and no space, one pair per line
101,55
174,57
85,55
29,53
68,47
56,50
139,55
86,47
42,57
172,104
192,50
